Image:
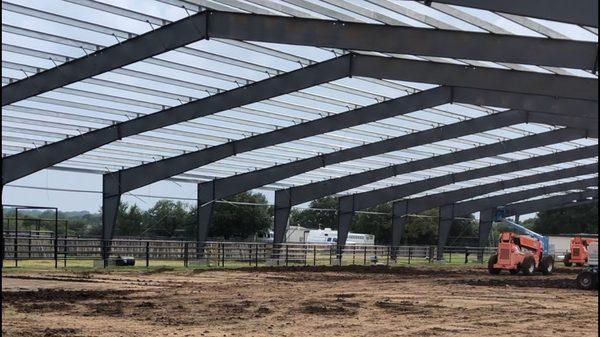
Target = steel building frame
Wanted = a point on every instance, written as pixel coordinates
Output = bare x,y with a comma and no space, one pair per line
402,208
471,67
285,199
349,204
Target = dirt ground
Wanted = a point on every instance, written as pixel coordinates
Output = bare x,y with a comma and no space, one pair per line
422,301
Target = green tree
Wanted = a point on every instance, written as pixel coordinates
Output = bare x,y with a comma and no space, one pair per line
241,221
376,221
574,219
130,220
166,218
421,229
319,217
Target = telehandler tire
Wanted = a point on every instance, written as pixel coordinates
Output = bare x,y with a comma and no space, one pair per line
586,280
491,262
528,265
547,265
567,260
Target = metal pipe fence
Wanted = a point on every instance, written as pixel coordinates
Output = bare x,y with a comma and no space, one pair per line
61,250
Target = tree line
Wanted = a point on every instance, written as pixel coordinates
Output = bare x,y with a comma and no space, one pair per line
248,215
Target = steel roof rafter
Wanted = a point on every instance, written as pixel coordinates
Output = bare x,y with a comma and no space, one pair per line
268,51
343,35
417,205
559,201
582,12
309,76
241,44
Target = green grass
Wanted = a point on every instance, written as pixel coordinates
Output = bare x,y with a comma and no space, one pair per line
177,265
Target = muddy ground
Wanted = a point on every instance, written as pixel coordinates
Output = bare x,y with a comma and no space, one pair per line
423,301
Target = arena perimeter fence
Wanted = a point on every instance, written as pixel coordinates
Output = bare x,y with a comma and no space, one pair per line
61,250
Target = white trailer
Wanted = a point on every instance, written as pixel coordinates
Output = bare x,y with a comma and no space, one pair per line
329,236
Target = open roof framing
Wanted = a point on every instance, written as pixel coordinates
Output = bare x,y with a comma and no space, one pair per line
219,79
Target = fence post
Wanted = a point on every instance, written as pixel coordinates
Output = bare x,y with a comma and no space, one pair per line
466,255
65,250
450,255
409,254
55,250
286,255
147,254
431,252
314,255
387,259
250,255
256,256
185,256
223,254
305,255
330,253
365,257
15,253
353,254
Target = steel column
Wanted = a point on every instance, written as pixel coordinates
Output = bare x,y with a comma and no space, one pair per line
282,213
204,213
399,212
346,212
111,197
486,216
446,216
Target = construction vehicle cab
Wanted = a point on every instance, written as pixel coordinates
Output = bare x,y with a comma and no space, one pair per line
578,251
526,252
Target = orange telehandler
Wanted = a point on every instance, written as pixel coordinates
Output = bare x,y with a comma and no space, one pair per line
520,253
578,251
525,252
